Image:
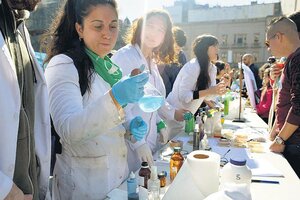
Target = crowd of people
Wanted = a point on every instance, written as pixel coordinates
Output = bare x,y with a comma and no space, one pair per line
92,97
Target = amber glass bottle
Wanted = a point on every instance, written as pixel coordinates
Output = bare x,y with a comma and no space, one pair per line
144,174
175,162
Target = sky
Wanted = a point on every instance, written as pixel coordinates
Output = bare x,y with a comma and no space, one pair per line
136,8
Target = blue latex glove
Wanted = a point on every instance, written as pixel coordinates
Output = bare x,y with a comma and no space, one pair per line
130,89
138,128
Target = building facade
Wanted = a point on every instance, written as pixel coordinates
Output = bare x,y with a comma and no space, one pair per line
240,29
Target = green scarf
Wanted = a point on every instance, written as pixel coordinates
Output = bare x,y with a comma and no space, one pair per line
109,71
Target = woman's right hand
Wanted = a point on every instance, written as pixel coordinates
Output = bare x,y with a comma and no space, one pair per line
130,89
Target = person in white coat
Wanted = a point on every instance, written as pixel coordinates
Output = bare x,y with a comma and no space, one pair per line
24,122
151,42
94,156
196,81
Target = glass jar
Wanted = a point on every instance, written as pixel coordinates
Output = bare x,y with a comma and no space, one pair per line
175,162
144,174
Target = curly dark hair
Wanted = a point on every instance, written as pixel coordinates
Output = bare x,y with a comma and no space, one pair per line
62,36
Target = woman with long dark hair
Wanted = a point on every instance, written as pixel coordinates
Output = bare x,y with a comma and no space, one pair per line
87,97
196,81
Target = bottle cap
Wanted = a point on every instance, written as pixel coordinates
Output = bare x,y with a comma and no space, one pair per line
132,175
161,174
145,164
177,149
209,115
187,116
238,162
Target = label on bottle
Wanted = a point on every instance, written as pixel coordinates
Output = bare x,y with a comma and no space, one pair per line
142,181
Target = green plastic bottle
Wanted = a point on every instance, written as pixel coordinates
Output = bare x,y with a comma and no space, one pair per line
226,103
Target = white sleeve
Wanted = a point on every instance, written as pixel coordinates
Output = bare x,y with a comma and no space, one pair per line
121,59
189,76
73,122
5,185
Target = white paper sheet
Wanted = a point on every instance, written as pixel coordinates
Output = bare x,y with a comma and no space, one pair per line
250,84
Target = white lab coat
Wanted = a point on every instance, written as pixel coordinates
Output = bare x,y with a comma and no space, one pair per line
94,155
129,58
181,96
10,103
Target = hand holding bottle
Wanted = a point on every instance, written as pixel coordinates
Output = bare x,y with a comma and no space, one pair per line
130,89
275,71
144,154
179,114
138,128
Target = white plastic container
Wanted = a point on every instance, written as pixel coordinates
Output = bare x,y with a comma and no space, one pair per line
235,172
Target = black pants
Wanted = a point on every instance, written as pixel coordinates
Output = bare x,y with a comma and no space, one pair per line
292,154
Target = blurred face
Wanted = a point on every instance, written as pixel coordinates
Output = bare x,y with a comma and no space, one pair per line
246,60
100,29
29,5
154,32
273,44
213,53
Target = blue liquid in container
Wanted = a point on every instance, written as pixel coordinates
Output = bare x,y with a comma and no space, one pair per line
151,103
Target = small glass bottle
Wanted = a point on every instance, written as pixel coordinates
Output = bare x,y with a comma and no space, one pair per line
162,179
175,162
144,174
222,119
153,185
132,188
196,137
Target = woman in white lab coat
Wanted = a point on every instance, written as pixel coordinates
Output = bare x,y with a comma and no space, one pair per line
196,80
94,155
151,42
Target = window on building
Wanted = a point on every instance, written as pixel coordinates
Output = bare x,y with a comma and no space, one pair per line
224,39
240,39
256,38
255,55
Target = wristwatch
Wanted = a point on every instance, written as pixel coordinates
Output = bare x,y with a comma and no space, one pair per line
279,140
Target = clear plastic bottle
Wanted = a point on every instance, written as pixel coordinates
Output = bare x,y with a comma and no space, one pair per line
132,188
175,162
208,125
236,172
153,185
144,174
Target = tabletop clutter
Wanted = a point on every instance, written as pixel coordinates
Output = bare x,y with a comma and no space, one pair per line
202,173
